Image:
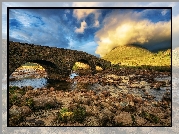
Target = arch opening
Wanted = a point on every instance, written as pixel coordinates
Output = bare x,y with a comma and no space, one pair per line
28,70
99,67
81,67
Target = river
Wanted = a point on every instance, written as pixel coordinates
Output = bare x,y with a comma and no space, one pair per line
66,86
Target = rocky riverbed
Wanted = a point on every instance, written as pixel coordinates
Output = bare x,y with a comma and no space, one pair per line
127,97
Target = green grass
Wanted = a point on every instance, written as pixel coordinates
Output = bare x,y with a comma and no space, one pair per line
138,57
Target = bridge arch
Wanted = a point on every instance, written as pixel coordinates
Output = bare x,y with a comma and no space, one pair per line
99,66
58,62
50,68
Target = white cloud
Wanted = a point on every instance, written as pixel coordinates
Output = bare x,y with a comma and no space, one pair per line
164,12
96,24
82,28
129,28
83,13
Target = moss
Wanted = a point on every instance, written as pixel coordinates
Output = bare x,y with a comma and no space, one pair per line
133,120
150,117
22,91
13,100
30,103
79,114
12,89
15,120
154,119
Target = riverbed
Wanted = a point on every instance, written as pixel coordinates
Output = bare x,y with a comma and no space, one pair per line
126,97
139,86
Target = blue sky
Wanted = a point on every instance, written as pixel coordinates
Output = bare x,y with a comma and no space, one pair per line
95,31
76,28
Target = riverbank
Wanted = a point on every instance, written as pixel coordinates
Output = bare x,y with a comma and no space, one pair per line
25,72
127,97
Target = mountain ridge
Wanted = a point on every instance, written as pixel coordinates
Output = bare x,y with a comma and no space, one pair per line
132,55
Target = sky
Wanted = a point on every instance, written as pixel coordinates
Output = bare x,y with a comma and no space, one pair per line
95,31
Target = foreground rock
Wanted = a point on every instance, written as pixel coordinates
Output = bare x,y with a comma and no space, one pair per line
104,105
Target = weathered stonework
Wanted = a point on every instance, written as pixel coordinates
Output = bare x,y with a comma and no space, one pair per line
57,62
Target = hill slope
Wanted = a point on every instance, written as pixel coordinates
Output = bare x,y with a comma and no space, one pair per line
137,56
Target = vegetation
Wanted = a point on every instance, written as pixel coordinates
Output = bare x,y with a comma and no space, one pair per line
74,115
80,65
131,56
30,103
30,66
150,117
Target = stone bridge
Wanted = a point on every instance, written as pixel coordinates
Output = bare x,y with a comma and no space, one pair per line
58,62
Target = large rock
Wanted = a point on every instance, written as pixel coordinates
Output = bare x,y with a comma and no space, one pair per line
19,111
92,121
14,111
124,118
140,121
17,114
44,102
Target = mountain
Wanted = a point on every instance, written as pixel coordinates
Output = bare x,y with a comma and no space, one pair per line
132,55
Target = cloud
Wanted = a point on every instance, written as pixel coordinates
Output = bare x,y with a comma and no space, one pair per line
82,28
83,13
96,24
40,28
164,12
129,28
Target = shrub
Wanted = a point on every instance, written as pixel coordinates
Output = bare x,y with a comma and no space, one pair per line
76,115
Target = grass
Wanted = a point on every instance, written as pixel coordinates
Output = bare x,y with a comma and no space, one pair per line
80,65
31,66
132,56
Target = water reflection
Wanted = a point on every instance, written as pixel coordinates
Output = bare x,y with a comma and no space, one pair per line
72,75
67,86
35,83
47,83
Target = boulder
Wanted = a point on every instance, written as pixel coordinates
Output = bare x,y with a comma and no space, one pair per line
44,102
124,118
